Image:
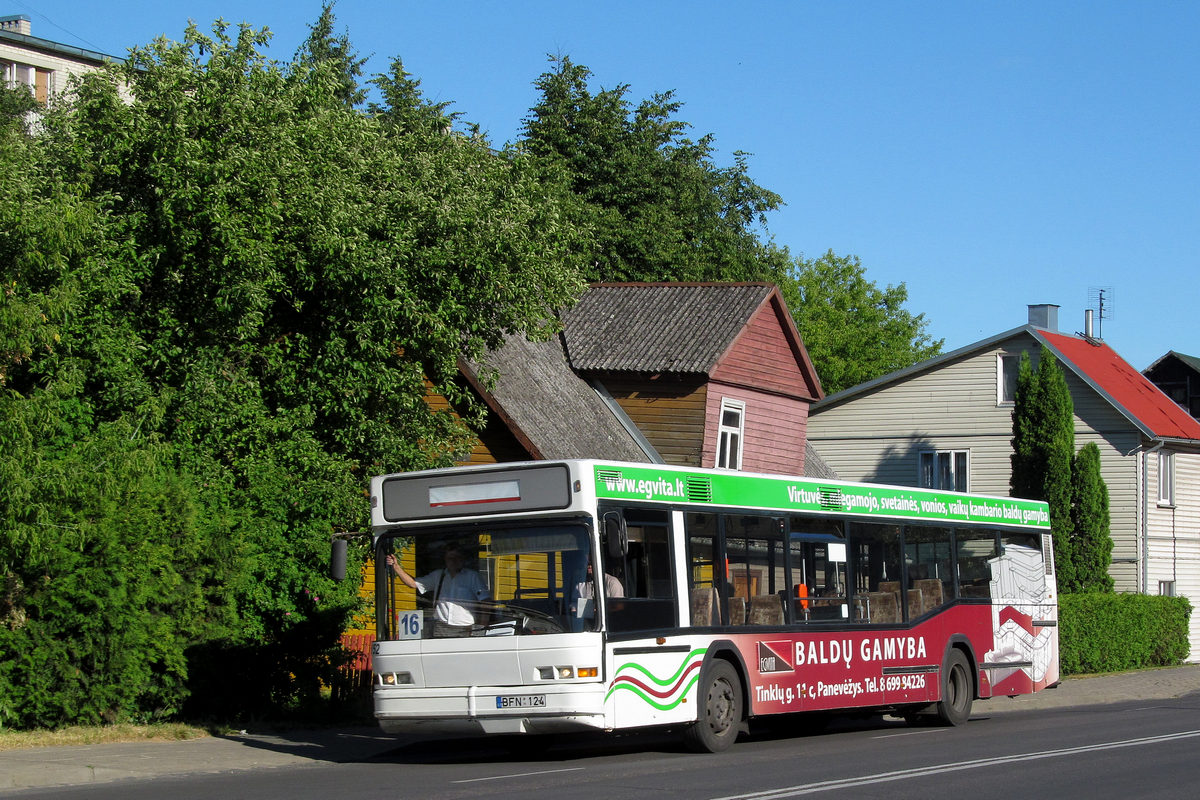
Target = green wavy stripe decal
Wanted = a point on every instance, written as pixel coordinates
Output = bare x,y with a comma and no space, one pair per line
653,702
687,660
661,693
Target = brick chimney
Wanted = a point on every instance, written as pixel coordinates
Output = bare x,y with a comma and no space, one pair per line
17,23
1044,316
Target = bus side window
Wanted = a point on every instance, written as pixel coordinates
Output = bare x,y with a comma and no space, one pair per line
975,552
817,564
756,572
875,564
703,571
1020,571
929,560
648,600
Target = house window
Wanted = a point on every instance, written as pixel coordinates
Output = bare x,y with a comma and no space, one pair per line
43,85
1007,367
1166,479
40,82
729,434
943,469
1166,588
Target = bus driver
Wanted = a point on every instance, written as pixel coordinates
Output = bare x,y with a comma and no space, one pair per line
452,587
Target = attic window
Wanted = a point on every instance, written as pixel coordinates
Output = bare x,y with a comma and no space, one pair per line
730,432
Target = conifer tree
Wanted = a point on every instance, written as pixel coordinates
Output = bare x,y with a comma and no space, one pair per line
1092,542
1043,447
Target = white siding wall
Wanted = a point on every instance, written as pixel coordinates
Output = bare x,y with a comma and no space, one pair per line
877,436
1173,537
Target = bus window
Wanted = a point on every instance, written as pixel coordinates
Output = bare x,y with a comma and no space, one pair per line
1020,572
757,578
645,574
875,564
703,570
975,551
817,555
474,582
927,555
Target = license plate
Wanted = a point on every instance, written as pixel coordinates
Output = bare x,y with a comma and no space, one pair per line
521,701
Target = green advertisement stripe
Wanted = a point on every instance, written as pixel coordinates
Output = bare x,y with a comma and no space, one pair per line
768,492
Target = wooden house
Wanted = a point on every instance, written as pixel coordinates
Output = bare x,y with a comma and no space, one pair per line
712,375
947,423
1179,378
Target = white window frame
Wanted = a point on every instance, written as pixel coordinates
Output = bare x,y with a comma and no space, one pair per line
1166,478
1001,395
954,457
727,434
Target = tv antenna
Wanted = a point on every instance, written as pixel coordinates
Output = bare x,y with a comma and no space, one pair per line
1100,300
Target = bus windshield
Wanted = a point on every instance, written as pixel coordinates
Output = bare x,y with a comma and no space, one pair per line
493,581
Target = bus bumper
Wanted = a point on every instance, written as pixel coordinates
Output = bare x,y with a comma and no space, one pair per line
491,709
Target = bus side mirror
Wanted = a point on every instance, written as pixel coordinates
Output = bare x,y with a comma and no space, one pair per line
337,558
616,535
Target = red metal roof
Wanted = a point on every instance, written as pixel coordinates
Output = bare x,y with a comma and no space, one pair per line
1124,385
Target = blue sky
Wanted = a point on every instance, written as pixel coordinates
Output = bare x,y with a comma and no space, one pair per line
988,155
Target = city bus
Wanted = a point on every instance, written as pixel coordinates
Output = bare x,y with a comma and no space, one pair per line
619,596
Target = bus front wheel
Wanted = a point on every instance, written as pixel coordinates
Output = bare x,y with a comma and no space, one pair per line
720,717
958,690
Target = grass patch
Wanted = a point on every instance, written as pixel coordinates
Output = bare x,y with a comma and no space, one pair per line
105,734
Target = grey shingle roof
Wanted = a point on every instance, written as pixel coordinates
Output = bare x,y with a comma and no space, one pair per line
549,406
649,328
815,466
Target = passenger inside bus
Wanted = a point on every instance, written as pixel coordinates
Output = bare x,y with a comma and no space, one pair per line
585,591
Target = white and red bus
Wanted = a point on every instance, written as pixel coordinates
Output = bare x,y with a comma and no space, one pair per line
718,596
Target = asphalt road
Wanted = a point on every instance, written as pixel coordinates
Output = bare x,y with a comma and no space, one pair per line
1132,749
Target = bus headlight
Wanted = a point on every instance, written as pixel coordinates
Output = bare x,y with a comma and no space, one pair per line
557,673
395,678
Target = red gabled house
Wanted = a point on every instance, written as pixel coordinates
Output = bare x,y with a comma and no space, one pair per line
712,375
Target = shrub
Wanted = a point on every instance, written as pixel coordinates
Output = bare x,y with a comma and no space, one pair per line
1115,632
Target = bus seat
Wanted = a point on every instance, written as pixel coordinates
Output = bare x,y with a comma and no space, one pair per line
765,609
932,595
883,607
889,586
705,610
914,603
737,611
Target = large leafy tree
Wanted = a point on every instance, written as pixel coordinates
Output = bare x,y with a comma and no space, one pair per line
1043,448
659,206
226,292
853,330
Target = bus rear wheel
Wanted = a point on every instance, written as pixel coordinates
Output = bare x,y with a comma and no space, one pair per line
720,710
958,690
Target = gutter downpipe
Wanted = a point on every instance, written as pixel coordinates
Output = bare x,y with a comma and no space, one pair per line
1145,576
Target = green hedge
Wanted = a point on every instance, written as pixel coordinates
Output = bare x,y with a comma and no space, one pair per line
1117,632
